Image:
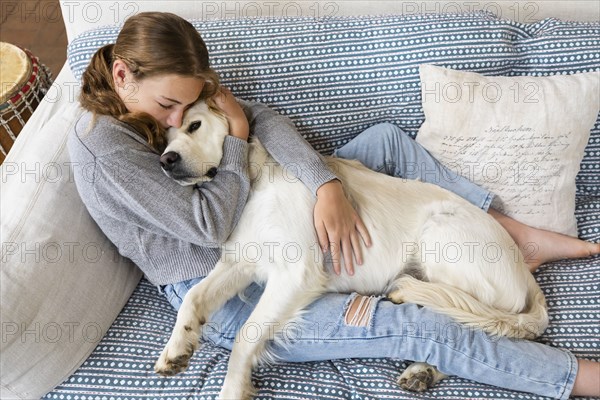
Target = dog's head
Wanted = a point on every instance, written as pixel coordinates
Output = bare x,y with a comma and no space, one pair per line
194,151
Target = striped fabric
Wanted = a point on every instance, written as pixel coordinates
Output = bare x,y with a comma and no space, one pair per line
121,367
555,47
335,77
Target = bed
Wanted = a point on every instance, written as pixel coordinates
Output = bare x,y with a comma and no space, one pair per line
80,322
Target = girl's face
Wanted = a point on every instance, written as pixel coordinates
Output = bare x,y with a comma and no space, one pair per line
165,97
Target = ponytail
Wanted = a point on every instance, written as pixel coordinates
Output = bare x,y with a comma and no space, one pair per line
98,95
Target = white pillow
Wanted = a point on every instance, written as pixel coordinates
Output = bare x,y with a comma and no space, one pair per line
522,138
62,283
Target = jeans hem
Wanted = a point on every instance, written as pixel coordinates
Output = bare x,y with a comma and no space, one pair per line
571,375
487,202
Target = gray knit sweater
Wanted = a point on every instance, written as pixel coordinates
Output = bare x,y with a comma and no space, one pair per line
172,232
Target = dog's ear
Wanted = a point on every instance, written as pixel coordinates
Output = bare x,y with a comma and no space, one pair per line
212,106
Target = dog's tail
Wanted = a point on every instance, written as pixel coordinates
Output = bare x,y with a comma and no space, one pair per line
464,308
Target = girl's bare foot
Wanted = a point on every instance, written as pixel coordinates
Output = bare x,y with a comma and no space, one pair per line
540,246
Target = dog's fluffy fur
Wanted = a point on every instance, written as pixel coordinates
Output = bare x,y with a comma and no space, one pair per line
468,266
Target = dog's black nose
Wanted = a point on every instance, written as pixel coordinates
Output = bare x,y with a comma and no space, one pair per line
168,160
211,173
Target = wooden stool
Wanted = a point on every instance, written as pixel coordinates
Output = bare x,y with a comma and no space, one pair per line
23,84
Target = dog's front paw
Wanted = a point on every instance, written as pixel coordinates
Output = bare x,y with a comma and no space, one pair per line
175,357
229,393
419,377
237,386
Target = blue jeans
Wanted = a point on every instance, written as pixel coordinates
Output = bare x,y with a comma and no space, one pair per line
386,148
404,331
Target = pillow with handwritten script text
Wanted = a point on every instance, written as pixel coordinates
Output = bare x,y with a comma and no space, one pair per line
522,138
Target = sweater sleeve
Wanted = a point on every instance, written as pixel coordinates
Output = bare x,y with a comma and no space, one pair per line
132,189
126,191
281,139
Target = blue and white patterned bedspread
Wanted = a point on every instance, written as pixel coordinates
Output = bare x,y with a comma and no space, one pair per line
335,77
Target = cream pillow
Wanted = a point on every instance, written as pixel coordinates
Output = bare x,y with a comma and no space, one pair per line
62,283
522,138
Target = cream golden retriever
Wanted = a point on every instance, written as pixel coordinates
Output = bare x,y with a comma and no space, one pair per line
406,219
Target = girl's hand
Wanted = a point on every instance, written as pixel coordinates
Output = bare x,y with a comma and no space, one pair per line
238,123
338,226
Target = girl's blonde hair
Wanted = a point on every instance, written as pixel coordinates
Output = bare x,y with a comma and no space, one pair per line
150,44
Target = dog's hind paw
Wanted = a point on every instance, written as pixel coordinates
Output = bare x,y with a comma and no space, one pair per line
396,297
419,377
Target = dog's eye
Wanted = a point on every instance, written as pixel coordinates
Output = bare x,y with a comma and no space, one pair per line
194,126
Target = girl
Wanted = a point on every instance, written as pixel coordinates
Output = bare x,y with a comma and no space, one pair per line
136,88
